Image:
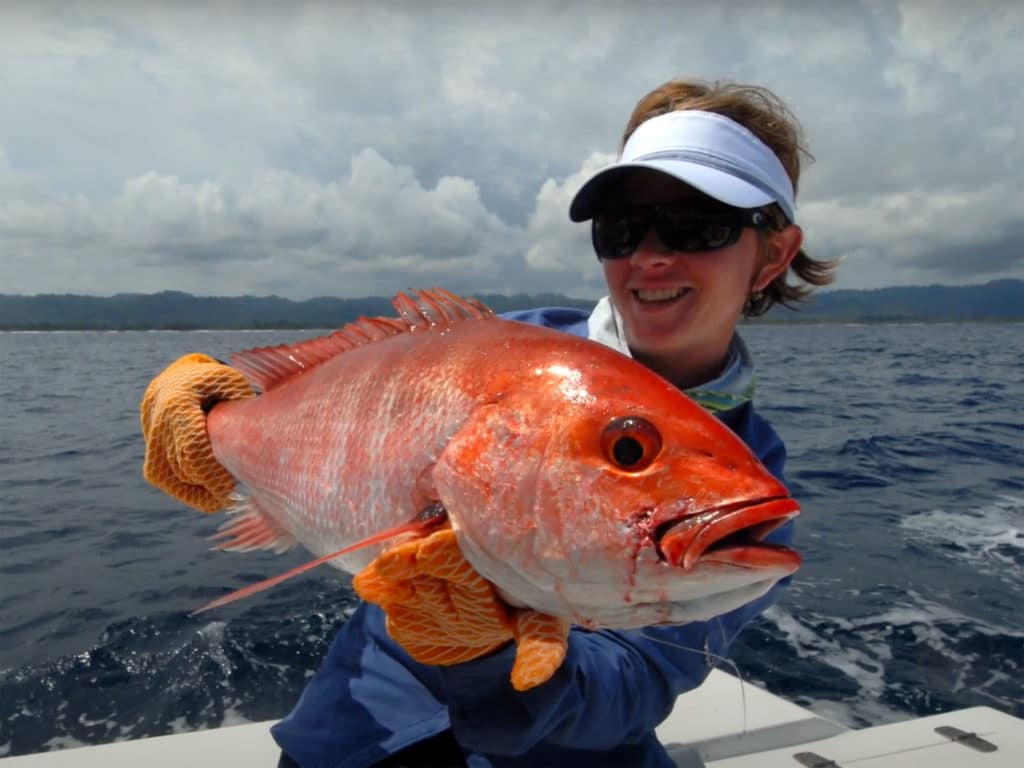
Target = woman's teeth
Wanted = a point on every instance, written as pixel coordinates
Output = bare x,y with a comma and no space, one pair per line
659,294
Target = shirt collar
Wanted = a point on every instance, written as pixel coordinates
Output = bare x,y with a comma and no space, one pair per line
733,387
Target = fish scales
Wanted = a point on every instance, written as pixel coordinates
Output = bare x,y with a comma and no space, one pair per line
333,450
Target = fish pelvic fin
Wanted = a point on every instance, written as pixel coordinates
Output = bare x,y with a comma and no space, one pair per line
425,523
269,367
251,527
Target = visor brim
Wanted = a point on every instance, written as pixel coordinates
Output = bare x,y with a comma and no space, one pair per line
724,187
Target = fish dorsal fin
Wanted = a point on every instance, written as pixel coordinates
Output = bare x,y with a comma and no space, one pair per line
269,367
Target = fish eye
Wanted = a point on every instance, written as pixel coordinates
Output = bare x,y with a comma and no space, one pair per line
631,443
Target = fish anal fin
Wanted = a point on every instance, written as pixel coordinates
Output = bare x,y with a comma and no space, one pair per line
269,367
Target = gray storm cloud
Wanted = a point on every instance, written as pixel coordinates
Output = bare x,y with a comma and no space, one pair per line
354,150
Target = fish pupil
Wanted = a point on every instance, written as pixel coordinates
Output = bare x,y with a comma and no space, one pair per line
627,451
631,443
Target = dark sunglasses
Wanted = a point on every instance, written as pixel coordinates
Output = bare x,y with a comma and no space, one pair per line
680,227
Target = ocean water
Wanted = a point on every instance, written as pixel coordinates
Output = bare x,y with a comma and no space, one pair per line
906,446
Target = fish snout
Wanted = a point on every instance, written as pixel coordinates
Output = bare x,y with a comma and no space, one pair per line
732,534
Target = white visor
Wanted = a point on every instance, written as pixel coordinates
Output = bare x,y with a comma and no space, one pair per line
708,151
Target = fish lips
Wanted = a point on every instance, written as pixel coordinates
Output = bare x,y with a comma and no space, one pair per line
732,535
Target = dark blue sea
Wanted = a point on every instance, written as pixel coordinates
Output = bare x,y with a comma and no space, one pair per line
906,445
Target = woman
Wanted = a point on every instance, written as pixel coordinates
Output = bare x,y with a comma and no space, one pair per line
694,227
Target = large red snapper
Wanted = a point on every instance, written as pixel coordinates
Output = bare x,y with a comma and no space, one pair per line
579,482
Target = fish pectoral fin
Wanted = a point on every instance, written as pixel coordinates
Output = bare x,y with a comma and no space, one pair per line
252,527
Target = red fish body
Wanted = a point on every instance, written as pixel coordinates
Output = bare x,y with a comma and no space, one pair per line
578,481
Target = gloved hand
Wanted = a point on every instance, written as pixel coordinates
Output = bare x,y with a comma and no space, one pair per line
443,612
179,459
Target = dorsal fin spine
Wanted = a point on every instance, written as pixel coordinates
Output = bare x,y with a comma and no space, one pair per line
438,309
269,367
408,310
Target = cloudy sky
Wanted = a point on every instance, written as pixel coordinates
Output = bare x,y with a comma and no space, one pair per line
350,149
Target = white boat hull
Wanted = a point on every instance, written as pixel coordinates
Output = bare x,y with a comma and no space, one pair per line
720,725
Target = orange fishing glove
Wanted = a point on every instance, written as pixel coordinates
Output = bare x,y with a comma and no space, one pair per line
443,612
179,459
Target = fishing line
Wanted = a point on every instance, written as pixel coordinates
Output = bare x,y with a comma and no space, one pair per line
719,659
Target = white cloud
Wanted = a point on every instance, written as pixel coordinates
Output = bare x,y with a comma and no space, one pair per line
555,243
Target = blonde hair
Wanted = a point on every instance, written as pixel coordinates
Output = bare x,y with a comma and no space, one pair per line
766,116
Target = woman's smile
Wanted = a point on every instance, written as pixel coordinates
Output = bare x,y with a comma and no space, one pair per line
658,296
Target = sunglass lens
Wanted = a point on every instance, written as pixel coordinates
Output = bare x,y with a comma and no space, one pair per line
616,236
691,232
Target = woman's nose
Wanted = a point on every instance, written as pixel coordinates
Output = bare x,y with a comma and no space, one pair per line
651,252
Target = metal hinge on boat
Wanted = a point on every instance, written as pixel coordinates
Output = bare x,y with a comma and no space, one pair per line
972,740
956,735
813,760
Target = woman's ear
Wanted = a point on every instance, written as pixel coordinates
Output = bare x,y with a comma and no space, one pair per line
780,248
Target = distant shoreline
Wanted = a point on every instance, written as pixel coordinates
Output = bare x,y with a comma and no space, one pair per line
998,301
326,329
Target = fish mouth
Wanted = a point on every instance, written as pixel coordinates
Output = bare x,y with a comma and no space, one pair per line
732,534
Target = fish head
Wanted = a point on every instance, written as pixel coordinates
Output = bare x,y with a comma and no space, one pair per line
601,493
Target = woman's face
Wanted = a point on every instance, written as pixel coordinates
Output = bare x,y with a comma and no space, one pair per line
679,310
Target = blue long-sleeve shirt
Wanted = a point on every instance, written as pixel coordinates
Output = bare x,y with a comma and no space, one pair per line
370,699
